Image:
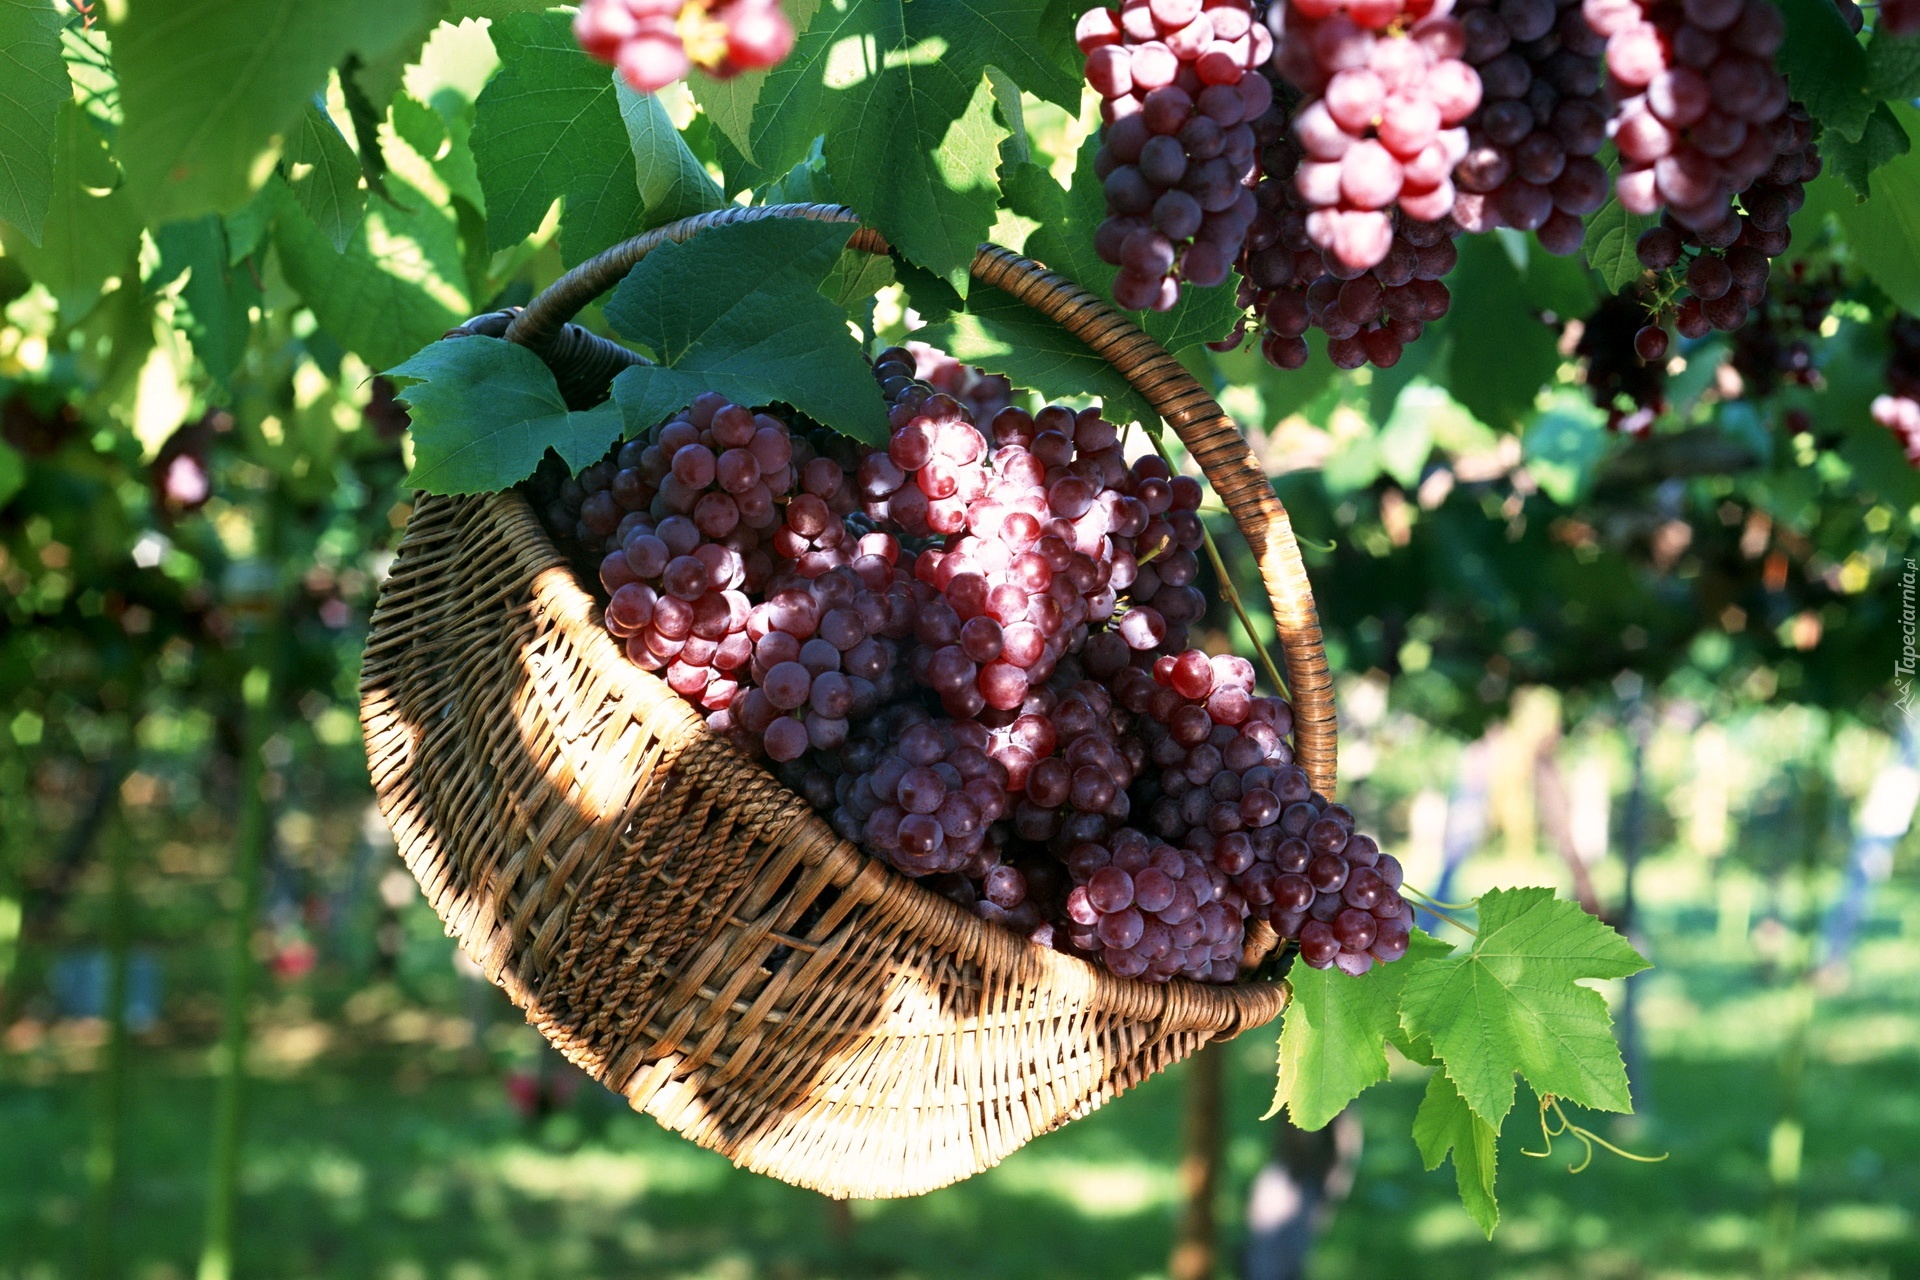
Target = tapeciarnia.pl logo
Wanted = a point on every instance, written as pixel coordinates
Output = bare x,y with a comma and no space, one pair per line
1903,666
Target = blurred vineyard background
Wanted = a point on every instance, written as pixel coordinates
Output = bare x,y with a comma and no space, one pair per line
1658,674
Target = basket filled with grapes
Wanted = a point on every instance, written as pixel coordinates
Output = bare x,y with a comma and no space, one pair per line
863,812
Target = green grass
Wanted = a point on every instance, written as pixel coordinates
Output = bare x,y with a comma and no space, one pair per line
383,1163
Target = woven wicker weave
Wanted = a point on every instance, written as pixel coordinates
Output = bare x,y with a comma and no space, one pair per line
688,931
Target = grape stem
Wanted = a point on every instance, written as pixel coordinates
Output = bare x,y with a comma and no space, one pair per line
1587,1137
1439,909
1228,592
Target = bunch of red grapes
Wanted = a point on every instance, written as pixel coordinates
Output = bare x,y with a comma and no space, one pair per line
1724,268
1542,117
1291,284
1699,105
1380,127
1622,378
1775,347
969,651
1898,410
656,42
1176,159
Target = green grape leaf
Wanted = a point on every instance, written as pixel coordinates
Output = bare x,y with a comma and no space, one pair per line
731,103
1826,66
1893,66
1881,141
1512,1003
92,232
1445,1123
485,411
1612,234
741,310
1064,244
1003,335
1334,1036
1565,446
210,90
548,127
672,183
33,86
324,176
1884,233
900,94
218,295
1502,352
399,284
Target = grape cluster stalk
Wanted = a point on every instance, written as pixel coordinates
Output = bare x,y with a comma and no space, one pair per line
656,42
969,651
1542,117
1898,408
1176,160
1380,126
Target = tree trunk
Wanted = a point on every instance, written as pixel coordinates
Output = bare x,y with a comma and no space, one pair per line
1193,1246
1294,1195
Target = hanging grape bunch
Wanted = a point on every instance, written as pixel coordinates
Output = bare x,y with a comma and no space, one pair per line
656,42
1291,284
1720,274
1898,409
1626,368
1177,90
1775,346
968,650
1380,126
1543,115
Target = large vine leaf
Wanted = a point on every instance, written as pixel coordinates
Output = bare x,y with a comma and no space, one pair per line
1502,353
210,88
33,85
1334,1037
1445,1123
672,183
899,93
1884,232
1826,66
397,286
1002,335
1512,1003
1064,244
92,232
218,295
548,127
485,411
1893,66
739,310
324,176
1880,142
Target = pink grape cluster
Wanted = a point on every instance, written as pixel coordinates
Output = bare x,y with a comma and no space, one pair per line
1177,153
656,42
1543,115
1725,265
926,642
1701,110
983,394
1898,409
1387,94
1369,314
1229,794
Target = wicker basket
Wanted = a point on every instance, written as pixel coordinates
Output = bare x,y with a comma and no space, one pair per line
688,931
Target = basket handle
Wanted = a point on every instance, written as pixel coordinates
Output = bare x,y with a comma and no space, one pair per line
1212,437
